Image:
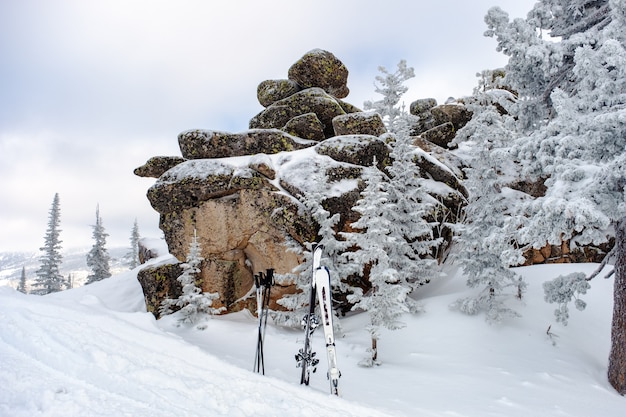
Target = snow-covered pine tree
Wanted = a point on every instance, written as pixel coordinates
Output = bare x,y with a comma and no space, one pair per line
133,254
405,183
485,241
413,206
21,287
49,279
391,87
581,150
373,243
98,258
193,305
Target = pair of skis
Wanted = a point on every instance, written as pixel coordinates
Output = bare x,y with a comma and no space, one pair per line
320,290
264,283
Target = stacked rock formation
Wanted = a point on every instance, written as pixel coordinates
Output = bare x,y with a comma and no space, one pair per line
239,191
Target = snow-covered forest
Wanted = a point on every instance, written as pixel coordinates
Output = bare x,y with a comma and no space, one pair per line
468,332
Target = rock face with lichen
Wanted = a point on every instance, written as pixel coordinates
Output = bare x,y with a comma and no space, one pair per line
239,191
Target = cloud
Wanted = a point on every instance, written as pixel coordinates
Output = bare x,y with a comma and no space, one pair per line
91,90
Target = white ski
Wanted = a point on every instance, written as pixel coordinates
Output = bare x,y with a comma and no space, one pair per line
322,284
305,357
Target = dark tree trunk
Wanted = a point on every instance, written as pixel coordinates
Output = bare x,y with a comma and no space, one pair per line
374,349
617,357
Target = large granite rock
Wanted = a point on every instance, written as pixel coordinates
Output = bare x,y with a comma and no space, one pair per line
438,123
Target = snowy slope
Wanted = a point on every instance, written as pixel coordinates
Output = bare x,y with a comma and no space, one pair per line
94,351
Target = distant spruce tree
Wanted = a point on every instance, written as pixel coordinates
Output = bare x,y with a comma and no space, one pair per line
133,254
98,258
49,279
22,285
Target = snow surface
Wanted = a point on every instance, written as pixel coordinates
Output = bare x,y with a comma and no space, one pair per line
95,351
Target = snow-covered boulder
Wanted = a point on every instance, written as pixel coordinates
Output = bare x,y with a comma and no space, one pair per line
355,149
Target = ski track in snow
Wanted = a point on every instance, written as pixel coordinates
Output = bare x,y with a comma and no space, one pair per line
66,361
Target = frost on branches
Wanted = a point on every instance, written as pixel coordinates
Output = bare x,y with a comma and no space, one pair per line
562,290
486,240
571,121
193,304
391,86
387,299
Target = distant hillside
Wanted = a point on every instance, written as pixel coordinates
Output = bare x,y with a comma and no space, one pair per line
74,263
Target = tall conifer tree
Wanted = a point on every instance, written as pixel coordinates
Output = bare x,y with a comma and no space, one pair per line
98,258
22,285
49,279
133,254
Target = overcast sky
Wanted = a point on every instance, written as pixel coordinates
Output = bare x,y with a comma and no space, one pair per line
89,90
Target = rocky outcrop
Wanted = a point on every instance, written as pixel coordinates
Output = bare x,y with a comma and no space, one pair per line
239,192
438,123
312,100
201,144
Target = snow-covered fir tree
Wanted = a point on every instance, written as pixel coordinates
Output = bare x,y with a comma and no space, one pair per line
133,254
49,279
391,86
577,143
21,287
98,258
193,305
485,241
374,244
406,190
413,206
